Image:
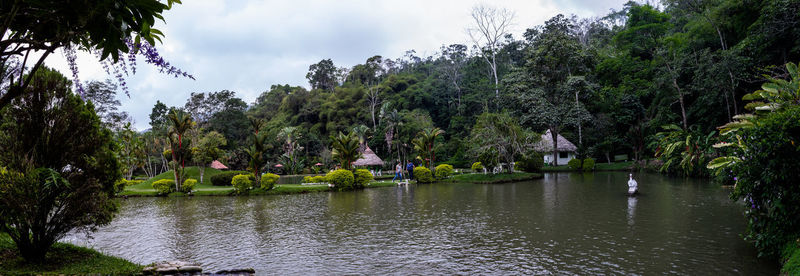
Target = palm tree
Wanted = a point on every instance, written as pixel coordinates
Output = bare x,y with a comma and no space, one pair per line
345,149
361,132
424,143
180,123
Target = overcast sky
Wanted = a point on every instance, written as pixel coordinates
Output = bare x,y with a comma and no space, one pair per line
247,46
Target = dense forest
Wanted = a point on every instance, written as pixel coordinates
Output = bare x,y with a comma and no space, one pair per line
607,84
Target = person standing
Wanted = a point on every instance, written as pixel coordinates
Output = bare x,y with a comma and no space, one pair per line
410,169
398,170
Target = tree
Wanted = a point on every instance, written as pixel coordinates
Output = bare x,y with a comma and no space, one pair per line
132,153
180,123
424,144
60,166
454,58
491,27
103,96
158,115
500,135
208,149
345,149
203,108
542,89
256,151
108,28
322,75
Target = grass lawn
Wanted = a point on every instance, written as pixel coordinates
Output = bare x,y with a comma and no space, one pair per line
494,178
616,166
63,259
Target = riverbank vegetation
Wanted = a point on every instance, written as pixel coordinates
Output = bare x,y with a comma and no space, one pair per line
494,178
63,259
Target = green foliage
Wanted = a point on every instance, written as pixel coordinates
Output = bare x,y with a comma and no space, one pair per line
241,183
423,175
574,164
424,144
531,161
318,179
345,149
498,136
444,171
119,186
268,181
362,177
684,150
341,179
188,185
477,166
164,186
224,178
180,146
66,163
588,164
790,257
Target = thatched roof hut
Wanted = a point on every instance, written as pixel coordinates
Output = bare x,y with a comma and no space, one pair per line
546,144
218,165
368,158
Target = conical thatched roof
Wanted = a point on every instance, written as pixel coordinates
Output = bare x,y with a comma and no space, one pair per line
368,158
218,165
546,144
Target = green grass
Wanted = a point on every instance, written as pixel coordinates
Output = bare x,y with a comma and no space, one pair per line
494,178
63,258
616,166
791,258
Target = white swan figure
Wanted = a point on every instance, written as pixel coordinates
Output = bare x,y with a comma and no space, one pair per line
633,187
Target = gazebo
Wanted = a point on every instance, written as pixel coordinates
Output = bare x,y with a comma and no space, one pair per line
368,158
218,165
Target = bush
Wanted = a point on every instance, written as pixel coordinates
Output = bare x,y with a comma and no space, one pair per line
530,162
224,178
319,179
477,166
588,164
119,185
188,185
444,171
423,175
308,179
361,178
241,183
341,179
268,181
574,164
164,186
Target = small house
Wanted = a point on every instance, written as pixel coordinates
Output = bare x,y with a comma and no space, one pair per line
566,149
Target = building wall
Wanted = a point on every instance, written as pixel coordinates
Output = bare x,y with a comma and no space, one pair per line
548,158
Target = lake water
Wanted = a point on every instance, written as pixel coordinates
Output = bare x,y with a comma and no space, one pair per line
562,224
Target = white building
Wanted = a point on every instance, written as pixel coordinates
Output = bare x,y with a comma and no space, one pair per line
566,149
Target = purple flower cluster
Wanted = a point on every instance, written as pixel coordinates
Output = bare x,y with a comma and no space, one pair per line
151,56
72,56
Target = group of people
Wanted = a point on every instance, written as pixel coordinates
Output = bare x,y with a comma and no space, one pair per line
398,171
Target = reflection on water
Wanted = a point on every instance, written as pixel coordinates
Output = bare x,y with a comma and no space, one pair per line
564,224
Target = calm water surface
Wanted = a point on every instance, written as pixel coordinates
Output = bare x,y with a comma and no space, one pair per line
563,224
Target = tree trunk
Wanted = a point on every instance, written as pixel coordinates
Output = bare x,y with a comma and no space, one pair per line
554,134
202,171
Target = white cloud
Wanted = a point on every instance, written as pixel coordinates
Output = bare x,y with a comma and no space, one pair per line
246,46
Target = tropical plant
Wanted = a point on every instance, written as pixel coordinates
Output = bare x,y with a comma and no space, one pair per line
424,144
531,161
689,151
180,123
498,136
345,149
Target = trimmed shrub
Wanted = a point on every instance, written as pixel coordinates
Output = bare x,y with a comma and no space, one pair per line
119,186
477,166
423,175
224,178
530,162
574,164
268,181
588,164
341,179
444,171
241,183
133,182
361,178
308,179
164,186
188,185
319,179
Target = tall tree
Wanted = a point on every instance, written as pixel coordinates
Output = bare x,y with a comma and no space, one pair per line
180,123
208,149
488,32
103,96
322,75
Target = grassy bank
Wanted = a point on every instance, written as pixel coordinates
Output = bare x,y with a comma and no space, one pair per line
791,258
62,259
494,178
209,190
617,166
